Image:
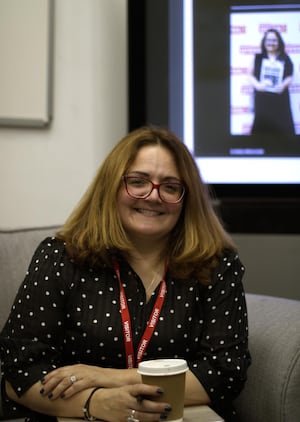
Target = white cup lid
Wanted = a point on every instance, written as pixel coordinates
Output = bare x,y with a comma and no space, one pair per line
162,367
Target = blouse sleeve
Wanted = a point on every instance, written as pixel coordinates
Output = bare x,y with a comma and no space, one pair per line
32,338
288,67
223,356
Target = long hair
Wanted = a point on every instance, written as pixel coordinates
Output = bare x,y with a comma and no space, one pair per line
94,230
281,44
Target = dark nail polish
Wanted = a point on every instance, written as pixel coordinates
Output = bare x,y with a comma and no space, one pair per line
42,380
168,408
50,395
160,391
62,396
163,416
42,391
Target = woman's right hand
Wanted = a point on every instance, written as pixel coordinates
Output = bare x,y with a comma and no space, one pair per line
117,404
66,381
260,86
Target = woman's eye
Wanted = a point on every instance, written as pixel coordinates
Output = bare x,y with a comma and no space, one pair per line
171,188
137,182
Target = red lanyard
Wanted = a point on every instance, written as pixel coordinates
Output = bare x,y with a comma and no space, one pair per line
151,324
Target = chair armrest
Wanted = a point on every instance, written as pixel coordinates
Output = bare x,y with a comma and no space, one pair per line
272,390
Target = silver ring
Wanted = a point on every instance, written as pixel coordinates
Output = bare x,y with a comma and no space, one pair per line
73,379
131,418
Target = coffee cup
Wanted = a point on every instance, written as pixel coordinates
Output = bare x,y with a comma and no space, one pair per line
169,374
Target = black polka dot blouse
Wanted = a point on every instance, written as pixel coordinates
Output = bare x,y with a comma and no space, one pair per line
64,315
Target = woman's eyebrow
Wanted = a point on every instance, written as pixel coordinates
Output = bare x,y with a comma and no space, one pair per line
147,175
138,173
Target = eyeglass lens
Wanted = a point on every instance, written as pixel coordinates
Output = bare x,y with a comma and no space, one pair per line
139,187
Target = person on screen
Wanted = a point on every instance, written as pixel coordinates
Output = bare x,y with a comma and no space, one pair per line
271,75
142,269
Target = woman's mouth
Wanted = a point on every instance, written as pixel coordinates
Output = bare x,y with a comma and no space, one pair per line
147,212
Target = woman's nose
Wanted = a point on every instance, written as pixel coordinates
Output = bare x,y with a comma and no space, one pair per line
154,194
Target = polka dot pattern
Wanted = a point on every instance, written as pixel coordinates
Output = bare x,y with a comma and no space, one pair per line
64,314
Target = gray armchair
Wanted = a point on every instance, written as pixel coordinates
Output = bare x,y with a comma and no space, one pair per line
272,392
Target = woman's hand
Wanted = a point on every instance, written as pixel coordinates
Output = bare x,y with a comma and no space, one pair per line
117,404
284,85
279,88
66,381
141,401
261,86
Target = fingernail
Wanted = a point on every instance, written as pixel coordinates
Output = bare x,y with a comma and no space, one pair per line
50,395
163,416
42,380
160,391
62,395
42,391
168,408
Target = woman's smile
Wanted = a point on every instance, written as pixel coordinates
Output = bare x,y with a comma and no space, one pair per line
148,212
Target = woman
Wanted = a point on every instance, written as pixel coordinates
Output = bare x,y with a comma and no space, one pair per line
143,240
271,75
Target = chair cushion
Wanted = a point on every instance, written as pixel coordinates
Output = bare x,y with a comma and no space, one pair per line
273,387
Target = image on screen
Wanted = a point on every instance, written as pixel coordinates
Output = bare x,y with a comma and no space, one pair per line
224,68
249,26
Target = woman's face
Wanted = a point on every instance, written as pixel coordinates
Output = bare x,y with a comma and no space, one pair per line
150,218
271,42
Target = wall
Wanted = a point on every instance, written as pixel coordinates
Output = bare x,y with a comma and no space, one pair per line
44,172
271,262
267,234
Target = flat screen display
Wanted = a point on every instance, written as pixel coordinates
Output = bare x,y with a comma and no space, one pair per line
240,89
191,68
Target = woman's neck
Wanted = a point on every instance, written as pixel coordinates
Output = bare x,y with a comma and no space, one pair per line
147,251
272,55
150,267
146,261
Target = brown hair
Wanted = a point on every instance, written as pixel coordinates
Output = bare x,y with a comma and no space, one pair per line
94,229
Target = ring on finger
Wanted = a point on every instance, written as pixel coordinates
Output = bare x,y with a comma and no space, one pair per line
131,418
73,379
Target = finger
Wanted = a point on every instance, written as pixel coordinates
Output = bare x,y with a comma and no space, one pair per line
150,410
148,405
56,374
149,399
63,391
70,386
145,390
147,416
64,387
69,391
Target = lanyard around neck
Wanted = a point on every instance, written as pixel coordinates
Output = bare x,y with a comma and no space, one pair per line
131,360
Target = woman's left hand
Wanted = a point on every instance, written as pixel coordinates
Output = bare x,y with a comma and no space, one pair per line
279,88
66,381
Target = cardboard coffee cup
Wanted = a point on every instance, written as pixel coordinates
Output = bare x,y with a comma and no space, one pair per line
169,374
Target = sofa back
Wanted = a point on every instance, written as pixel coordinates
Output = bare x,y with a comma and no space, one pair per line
16,250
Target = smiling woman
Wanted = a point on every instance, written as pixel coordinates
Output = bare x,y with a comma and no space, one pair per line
142,264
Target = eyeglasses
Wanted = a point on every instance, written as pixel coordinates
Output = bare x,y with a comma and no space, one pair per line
271,41
141,188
